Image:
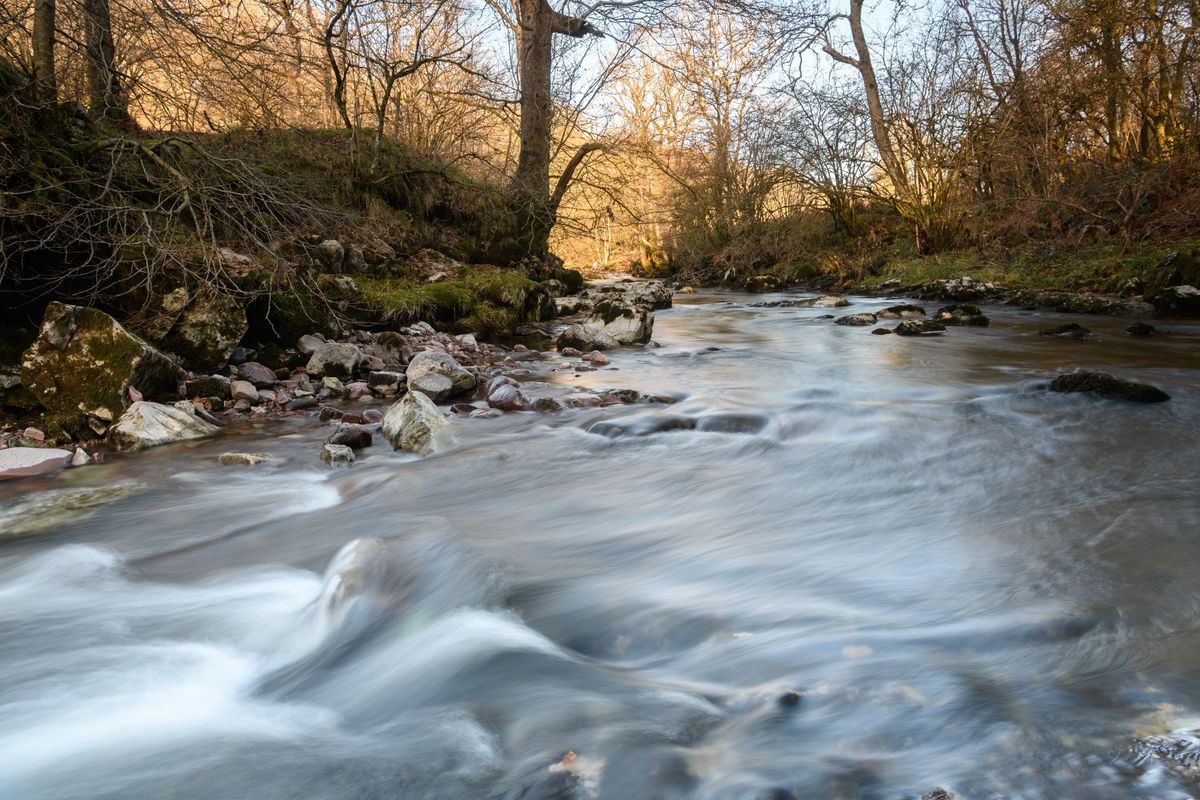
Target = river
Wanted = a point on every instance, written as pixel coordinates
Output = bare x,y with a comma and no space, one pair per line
879,566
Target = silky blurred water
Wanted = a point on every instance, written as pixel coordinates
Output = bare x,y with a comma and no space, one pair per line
975,584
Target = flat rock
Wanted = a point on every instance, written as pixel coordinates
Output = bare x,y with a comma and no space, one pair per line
1105,385
856,319
146,424
902,311
1071,330
337,454
24,462
920,327
242,459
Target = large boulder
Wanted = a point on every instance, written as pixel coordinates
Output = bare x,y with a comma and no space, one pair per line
856,319
438,376
919,327
962,314
627,323
150,424
411,423
1178,301
83,363
334,360
207,332
585,339
1110,386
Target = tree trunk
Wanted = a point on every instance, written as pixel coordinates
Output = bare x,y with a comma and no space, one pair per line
105,99
43,50
531,181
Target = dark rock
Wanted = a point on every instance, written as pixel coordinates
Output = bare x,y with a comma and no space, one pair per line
856,319
881,331
261,376
208,331
643,425
209,386
301,403
1071,330
1110,386
1178,301
902,311
356,437
241,355
790,699
961,314
920,327
1141,329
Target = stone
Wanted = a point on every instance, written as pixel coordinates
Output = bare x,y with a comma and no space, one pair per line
26,462
208,331
881,331
429,365
45,512
309,343
468,341
301,403
596,357
582,338
386,383
504,395
337,455
1178,301
411,423
147,424
330,254
243,390
961,314
356,437
242,459
1110,386
368,364
626,322
80,458
902,311
241,355
357,390
1071,330
34,434
856,319
920,327
1141,329
571,352
336,359
332,387
260,375
83,363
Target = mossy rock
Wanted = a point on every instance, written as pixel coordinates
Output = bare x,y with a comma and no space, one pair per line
83,363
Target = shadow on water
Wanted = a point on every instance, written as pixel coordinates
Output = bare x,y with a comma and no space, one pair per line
842,566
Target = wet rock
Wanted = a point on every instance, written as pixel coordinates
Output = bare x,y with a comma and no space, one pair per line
644,425
386,383
25,462
147,424
301,403
504,395
260,375
83,362
243,390
332,387
335,359
356,437
958,289
42,512
208,331
1071,330
1110,386
571,352
626,323
337,455
411,423
762,283
824,301
790,699
547,405
961,314
357,390
937,794
583,338
438,376
80,458
919,327
1141,329
902,311
596,357
242,459
1178,301
732,422
372,416
881,331
856,319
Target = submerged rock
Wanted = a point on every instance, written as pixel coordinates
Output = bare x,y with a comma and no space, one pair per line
961,314
920,327
1141,329
411,423
856,319
43,512
83,363
1106,385
25,462
147,424
242,459
902,311
1071,330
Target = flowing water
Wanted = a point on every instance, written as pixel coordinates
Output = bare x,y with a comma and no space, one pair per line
971,583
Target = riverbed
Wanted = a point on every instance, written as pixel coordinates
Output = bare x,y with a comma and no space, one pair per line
840,566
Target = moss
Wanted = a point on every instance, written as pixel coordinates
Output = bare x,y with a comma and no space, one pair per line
609,310
488,302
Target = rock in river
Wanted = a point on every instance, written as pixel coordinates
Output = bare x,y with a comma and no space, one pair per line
856,319
962,314
582,339
1106,385
438,376
23,462
1071,330
335,359
84,363
411,423
903,311
920,327
337,454
147,424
